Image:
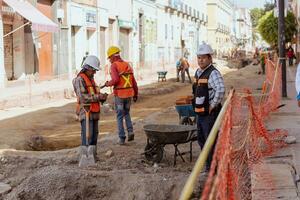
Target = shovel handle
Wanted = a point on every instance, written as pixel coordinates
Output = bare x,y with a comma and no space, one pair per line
86,108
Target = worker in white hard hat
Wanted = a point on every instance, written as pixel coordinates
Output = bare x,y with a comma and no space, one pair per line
88,93
208,91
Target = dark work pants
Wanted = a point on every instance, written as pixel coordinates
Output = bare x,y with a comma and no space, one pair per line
93,126
204,126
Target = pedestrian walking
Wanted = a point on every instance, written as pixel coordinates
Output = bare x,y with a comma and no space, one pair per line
208,91
88,98
182,67
125,90
291,55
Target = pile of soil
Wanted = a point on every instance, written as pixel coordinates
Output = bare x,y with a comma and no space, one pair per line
123,174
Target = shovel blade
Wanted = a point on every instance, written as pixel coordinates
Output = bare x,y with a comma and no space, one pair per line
86,160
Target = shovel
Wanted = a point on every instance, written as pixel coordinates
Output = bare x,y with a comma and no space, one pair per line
87,158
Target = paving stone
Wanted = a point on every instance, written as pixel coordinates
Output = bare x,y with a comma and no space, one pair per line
280,182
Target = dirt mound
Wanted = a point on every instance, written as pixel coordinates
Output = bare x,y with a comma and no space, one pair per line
63,183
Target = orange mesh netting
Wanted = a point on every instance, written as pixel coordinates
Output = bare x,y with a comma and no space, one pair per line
244,141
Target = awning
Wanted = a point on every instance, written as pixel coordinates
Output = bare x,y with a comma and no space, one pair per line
39,21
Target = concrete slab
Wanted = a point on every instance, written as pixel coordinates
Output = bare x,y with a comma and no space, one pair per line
280,182
282,194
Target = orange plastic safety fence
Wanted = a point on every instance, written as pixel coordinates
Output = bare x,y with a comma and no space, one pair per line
244,142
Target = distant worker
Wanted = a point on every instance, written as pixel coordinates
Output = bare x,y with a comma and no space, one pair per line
125,90
182,66
208,91
262,62
88,93
84,57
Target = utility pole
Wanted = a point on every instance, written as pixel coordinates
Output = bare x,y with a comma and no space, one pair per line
281,44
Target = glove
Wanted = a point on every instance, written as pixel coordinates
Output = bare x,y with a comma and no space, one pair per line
135,98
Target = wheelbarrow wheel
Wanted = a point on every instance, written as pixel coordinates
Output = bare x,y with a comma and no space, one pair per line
186,121
154,153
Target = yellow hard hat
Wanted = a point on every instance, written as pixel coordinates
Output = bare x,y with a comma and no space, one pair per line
112,50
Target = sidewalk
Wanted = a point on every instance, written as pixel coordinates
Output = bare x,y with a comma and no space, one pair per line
284,165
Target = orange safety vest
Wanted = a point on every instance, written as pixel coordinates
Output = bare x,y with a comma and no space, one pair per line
92,89
124,88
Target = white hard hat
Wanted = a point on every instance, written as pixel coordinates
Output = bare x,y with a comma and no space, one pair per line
92,61
204,49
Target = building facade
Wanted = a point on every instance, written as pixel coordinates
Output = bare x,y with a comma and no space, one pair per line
147,31
243,29
27,38
220,23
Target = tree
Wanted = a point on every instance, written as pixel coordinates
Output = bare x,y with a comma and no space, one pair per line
256,14
268,6
268,28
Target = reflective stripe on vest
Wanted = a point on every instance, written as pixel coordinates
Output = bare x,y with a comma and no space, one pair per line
92,89
124,88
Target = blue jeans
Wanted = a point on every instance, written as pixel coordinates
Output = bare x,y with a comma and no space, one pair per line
93,126
122,107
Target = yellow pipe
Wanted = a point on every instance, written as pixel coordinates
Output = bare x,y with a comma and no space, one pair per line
190,184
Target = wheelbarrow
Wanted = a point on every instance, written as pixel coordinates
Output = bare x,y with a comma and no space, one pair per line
159,135
162,75
187,115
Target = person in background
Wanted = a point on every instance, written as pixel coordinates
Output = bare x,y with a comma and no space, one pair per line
291,55
185,65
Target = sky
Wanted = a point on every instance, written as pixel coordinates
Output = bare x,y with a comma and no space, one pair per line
251,3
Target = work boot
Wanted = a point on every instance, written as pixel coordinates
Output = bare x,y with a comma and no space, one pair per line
121,141
130,136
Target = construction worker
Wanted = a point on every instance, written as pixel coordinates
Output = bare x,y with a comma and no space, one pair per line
208,91
125,90
88,94
185,69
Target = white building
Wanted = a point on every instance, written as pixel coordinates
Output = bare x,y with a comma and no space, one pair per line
181,29
219,30
243,29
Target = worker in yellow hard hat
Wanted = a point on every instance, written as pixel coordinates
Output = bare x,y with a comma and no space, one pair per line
125,90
